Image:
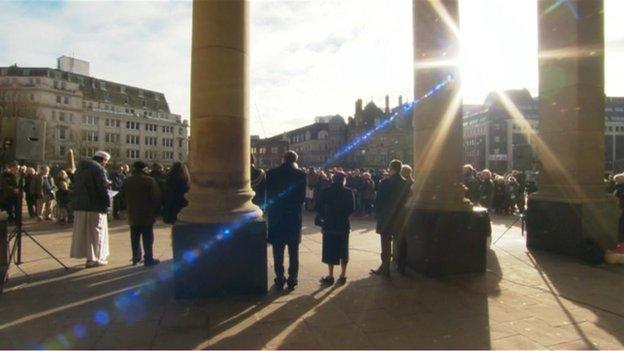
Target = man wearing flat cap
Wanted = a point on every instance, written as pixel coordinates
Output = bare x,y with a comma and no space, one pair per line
90,203
141,194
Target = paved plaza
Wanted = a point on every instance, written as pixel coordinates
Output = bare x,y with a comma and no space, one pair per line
526,300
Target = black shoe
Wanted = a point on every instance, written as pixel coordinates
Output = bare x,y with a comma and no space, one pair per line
152,262
341,280
291,284
136,261
279,284
327,280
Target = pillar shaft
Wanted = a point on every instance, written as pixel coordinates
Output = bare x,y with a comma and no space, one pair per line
571,213
219,141
571,93
438,139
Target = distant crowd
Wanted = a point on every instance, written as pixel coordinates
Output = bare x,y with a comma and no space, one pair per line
85,196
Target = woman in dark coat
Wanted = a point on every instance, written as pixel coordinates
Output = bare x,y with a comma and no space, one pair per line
335,205
177,185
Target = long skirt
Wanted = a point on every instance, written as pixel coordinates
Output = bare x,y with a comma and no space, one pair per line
90,238
335,246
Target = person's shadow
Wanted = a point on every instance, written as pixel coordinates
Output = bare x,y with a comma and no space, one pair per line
588,299
412,312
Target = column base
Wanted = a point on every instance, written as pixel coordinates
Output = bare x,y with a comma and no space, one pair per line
442,242
215,259
578,229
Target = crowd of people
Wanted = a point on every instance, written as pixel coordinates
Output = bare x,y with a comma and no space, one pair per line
84,197
500,193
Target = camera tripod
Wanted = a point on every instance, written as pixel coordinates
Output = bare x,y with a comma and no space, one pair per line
15,253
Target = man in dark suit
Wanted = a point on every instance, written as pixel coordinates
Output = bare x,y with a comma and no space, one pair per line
285,189
389,206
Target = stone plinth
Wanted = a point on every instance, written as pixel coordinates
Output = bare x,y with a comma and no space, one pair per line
571,228
214,260
448,242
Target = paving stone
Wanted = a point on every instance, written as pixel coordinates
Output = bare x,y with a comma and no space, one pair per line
516,342
513,306
541,332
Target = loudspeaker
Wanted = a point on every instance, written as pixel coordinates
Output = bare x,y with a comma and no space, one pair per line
29,139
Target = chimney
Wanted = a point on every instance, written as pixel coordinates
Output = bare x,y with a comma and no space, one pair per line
358,106
400,100
387,104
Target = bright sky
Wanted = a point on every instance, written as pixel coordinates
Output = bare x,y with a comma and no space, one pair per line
308,58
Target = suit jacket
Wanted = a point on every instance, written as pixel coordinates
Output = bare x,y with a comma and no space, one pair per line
392,195
285,189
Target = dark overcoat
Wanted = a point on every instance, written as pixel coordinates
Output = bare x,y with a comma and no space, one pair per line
174,199
90,188
335,204
392,195
142,196
285,189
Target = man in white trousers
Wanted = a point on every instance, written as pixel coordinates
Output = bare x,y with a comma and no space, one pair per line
90,202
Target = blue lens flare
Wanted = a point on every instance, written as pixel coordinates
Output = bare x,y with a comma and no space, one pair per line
79,331
385,122
101,318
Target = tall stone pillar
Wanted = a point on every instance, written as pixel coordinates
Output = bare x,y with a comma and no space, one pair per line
571,212
445,235
219,243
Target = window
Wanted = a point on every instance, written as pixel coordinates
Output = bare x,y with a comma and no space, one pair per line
122,89
167,142
150,154
132,139
180,142
103,86
61,117
54,115
62,134
89,135
132,153
132,125
66,100
111,138
91,120
62,150
87,151
58,99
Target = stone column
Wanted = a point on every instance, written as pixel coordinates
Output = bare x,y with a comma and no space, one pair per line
219,243
444,234
438,138
219,147
571,205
